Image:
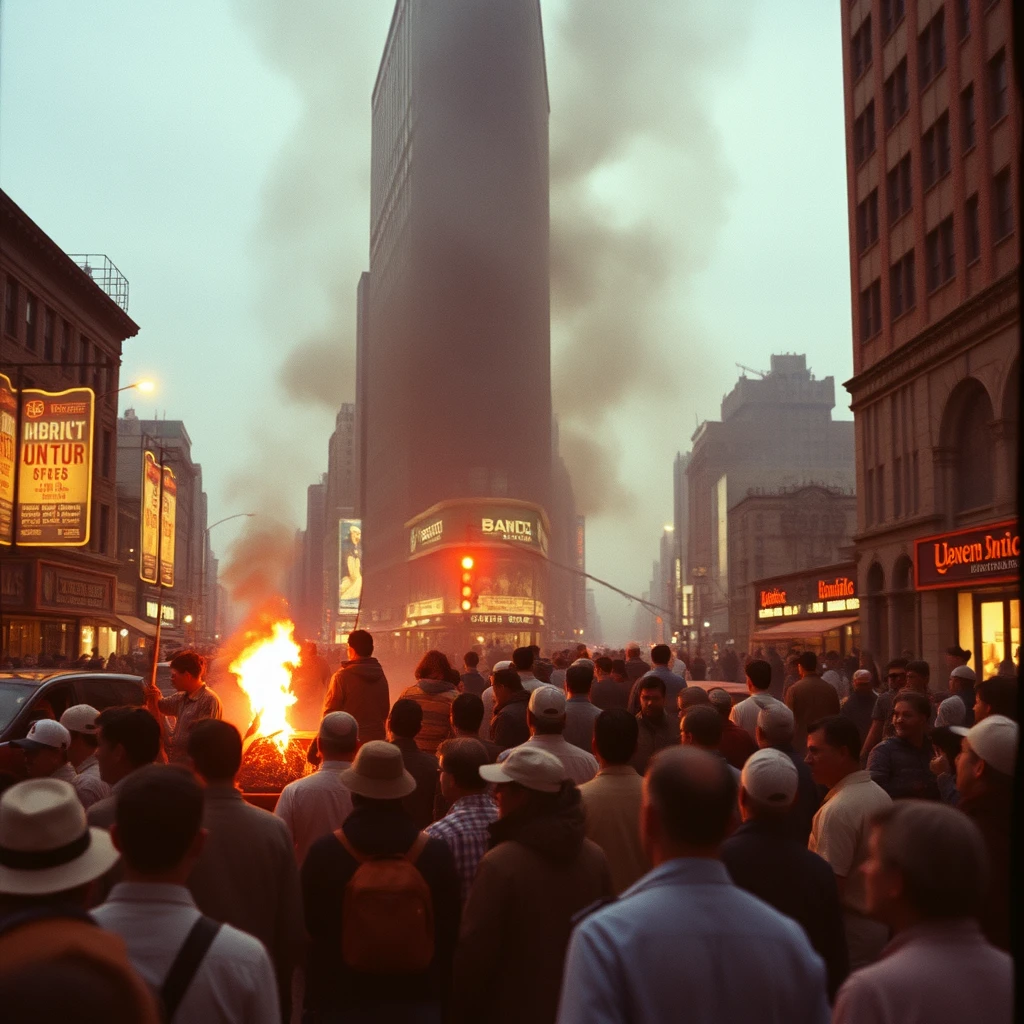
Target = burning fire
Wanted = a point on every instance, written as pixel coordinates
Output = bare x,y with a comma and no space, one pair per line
263,670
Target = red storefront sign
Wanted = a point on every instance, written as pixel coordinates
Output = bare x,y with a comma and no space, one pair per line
980,555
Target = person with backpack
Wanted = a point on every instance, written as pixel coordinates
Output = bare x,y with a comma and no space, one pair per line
202,970
382,903
49,859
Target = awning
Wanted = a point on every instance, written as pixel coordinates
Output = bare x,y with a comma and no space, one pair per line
139,625
802,627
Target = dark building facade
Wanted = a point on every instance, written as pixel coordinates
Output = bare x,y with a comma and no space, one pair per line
341,497
776,432
933,180
454,379
67,324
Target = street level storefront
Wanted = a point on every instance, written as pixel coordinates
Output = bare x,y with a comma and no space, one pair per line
55,609
974,577
815,610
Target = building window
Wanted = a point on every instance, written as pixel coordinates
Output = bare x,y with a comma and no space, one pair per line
864,134
11,307
899,190
871,310
892,15
963,18
973,468
972,224
896,94
997,86
901,285
867,221
48,330
939,253
1002,205
860,47
935,152
967,117
931,49
65,345
31,317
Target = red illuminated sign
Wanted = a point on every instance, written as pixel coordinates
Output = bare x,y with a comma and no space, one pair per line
987,554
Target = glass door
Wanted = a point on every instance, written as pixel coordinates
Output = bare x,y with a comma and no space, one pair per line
997,634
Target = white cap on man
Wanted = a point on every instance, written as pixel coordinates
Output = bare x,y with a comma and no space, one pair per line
770,777
547,703
530,766
81,718
994,740
45,733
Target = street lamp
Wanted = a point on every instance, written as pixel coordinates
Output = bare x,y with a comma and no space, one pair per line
202,564
146,386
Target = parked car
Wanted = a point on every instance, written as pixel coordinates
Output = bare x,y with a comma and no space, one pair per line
27,695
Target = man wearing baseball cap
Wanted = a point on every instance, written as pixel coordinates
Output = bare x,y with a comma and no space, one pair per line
46,751
763,857
984,780
49,858
541,870
80,722
545,716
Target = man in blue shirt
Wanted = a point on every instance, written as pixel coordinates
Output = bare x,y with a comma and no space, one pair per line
684,941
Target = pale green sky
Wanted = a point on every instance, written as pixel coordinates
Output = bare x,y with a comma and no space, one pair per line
217,151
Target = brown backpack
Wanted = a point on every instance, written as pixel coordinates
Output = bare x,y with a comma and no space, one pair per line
388,913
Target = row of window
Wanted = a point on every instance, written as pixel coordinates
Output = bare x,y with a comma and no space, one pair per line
896,103
940,253
906,490
22,320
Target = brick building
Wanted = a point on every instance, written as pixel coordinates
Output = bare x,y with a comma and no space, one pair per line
66,318
933,136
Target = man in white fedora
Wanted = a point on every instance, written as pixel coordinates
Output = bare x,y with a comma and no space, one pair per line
49,858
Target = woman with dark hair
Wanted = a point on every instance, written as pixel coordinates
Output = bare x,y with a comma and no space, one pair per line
434,691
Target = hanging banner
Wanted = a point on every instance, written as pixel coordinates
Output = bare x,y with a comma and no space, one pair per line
149,523
55,467
350,564
170,497
8,439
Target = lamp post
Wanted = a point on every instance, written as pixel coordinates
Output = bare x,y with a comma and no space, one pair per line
202,566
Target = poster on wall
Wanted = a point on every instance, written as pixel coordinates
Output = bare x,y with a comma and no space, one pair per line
55,467
149,525
350,564
8,438
170,502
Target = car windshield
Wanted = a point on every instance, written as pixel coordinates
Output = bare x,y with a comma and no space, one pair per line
13,697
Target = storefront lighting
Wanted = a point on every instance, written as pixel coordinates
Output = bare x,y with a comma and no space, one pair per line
124,632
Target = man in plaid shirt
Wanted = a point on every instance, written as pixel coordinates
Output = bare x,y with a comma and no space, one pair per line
472,809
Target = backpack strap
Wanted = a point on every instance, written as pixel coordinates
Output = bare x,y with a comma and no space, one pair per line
358,857
413,853
186,963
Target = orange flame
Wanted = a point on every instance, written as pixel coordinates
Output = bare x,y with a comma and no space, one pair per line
263,670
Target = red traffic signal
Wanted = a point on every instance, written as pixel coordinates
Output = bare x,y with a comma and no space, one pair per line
467,586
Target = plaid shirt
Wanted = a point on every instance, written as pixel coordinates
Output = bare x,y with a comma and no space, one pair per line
464,829
187,710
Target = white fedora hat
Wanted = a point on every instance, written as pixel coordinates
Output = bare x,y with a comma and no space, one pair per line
46,845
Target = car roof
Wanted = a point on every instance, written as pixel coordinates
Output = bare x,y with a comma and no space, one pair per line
35,677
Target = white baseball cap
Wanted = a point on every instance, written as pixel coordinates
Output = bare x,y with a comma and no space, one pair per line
44,733
994,740
339,727
963,672
499,665
547,702
951,712
862,675
770,777
80,718
775,715
528,765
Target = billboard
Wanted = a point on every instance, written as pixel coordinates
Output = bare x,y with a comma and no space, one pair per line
8,440
972,557
350,564
169,498
55,467
149,521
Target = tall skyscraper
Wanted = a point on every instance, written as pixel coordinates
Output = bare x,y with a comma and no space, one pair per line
933,176
455,369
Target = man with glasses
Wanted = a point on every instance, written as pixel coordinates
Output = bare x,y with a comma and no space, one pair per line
881,716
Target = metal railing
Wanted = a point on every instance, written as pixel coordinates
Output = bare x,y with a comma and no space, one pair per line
105,274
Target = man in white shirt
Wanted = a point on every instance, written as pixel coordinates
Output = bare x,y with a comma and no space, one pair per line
157,829
841,829
80,722
319,803
759,679
834,676
546,718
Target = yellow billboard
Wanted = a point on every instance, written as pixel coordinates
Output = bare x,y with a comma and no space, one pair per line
169,498
149,521
55,467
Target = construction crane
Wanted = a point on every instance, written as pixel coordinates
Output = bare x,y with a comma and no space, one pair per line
749,369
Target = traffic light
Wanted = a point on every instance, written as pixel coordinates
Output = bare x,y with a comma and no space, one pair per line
467,592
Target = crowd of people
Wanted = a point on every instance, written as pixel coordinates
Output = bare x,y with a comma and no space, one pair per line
580,840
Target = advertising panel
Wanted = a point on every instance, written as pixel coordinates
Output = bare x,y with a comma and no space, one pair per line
55,467
808,595
149,541
985,554
170,503
350,564
8,438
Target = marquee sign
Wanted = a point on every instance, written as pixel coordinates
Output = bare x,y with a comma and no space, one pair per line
807,596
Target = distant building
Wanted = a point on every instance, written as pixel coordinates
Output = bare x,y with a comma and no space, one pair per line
776,432
193,596
340,508
933,181
786,532
63,327
567,617
309,595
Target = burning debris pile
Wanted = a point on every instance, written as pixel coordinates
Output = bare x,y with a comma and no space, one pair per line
265,769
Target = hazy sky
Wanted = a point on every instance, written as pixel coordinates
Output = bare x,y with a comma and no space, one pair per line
218,152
